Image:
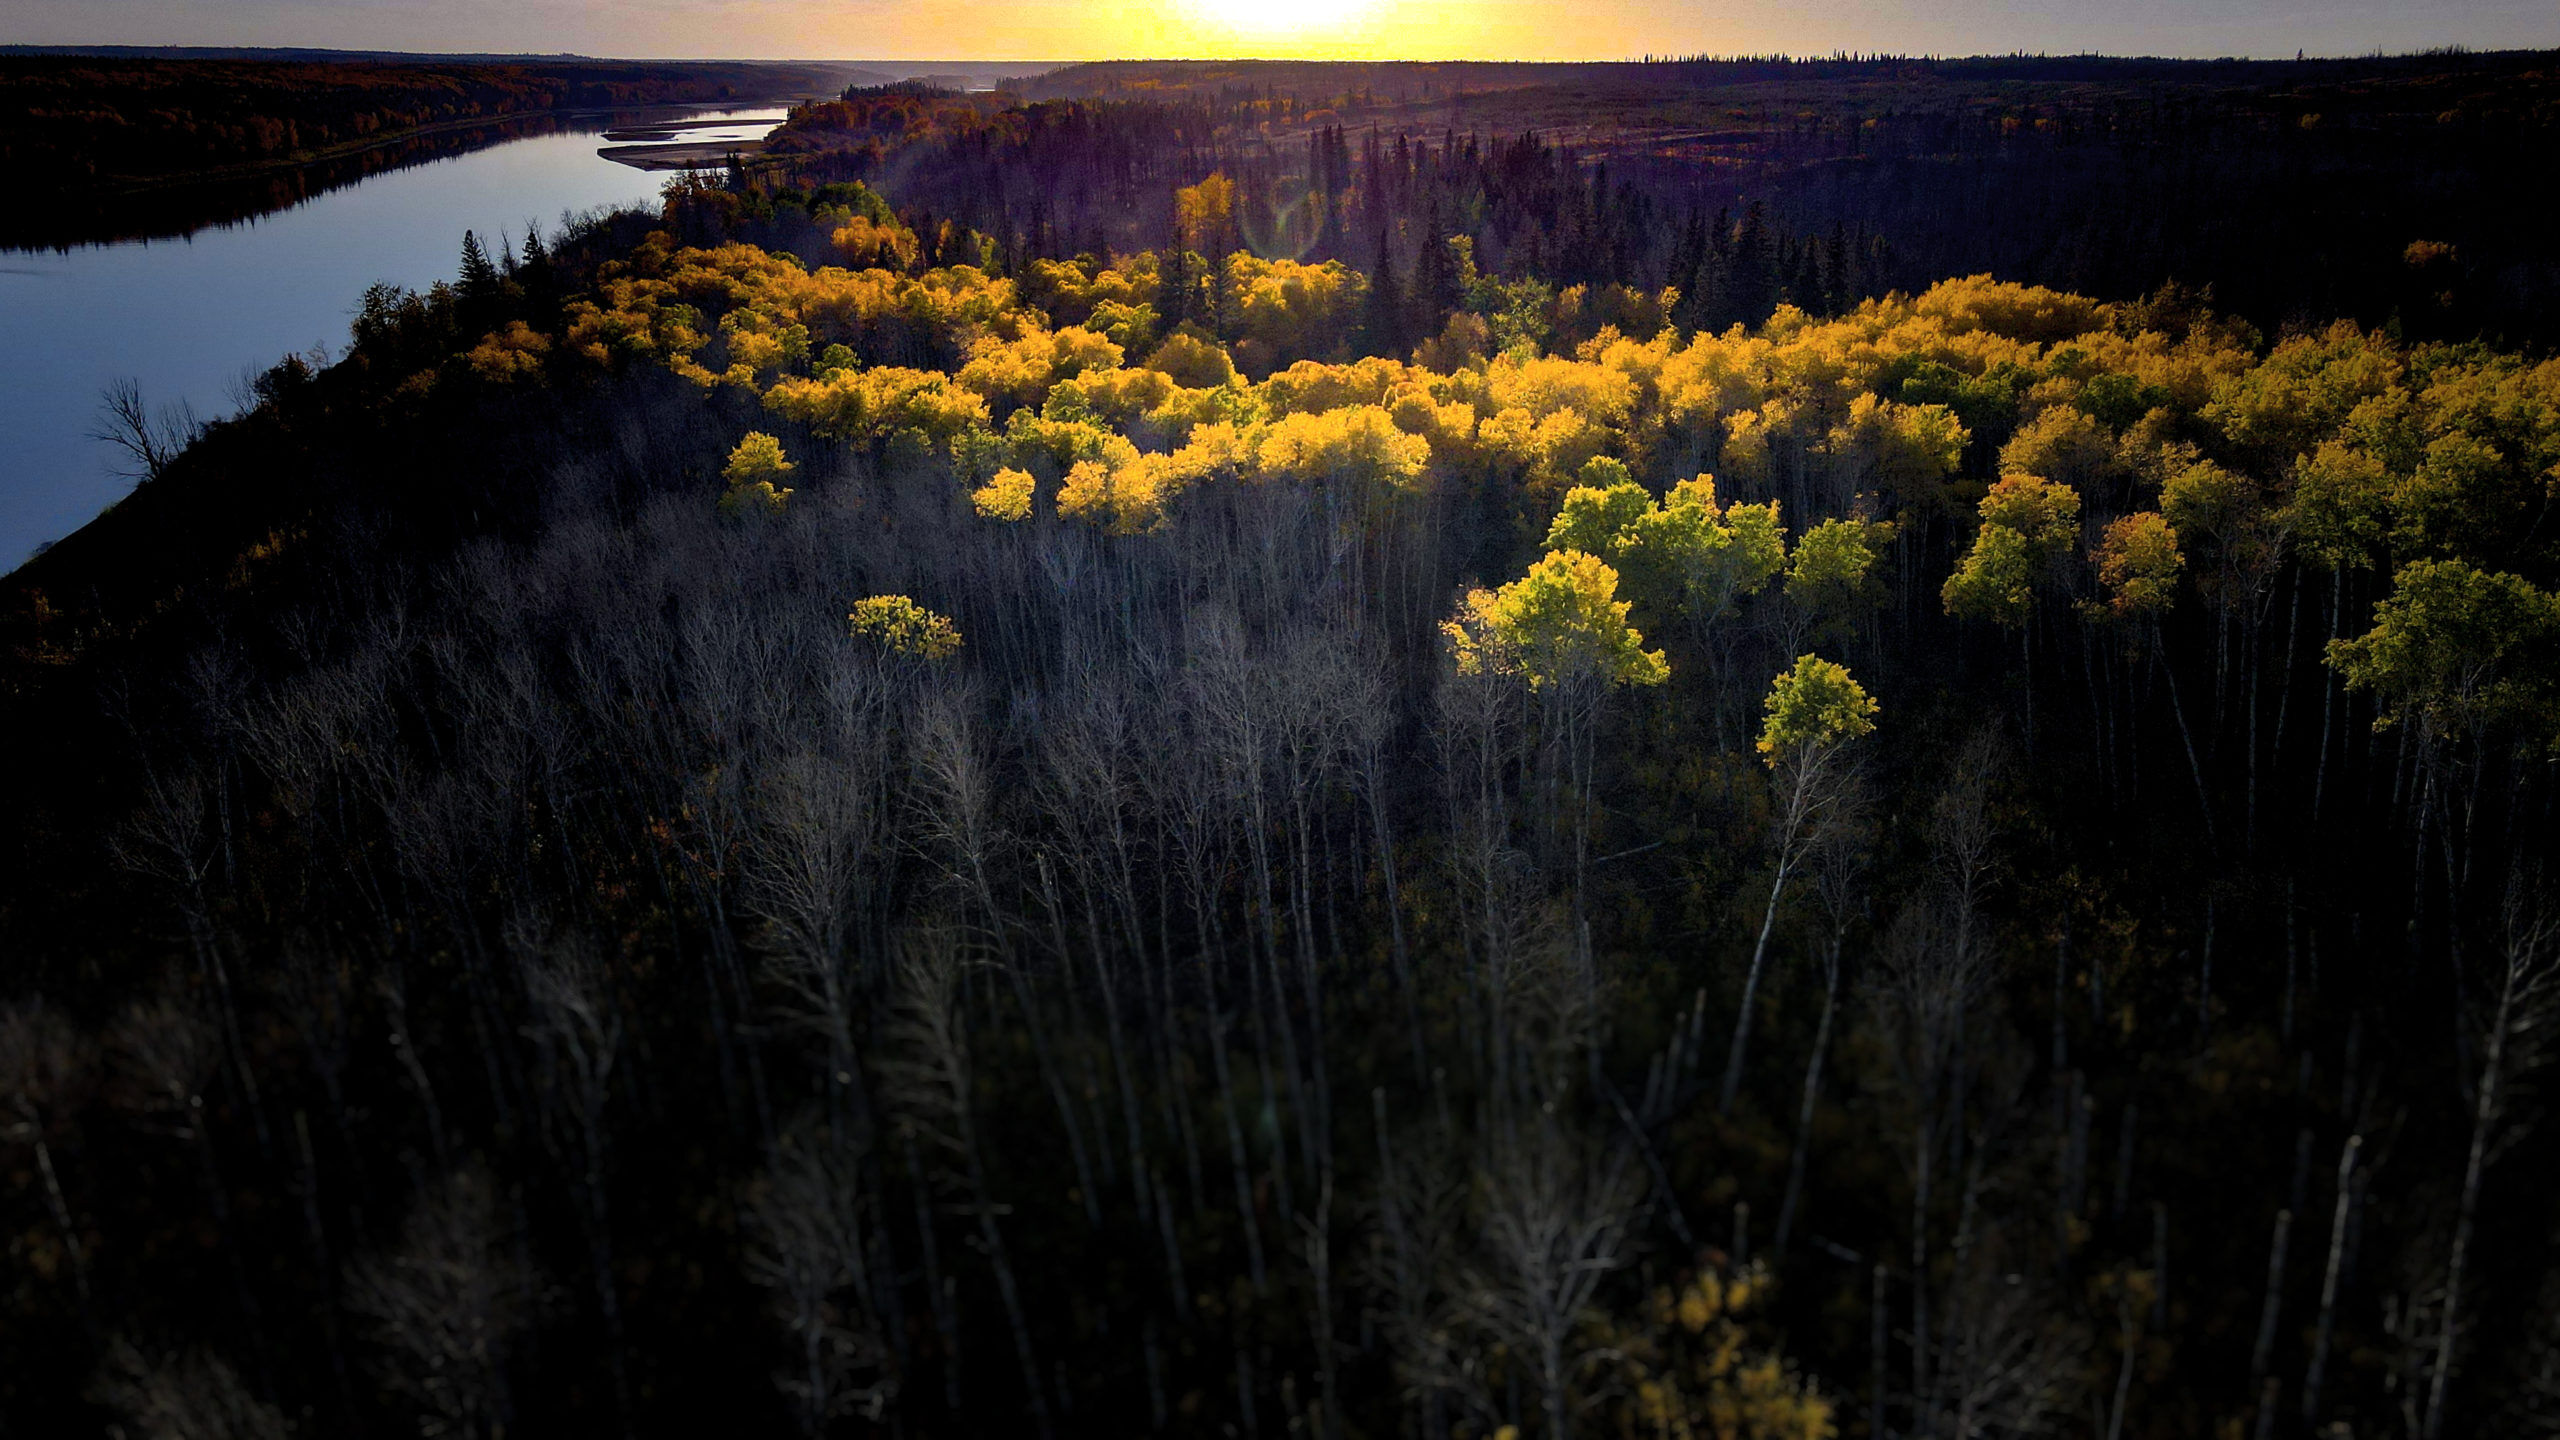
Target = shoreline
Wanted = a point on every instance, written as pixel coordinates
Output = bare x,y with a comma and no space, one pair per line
116,186
690,155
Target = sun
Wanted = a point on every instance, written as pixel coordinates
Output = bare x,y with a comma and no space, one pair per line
1299,24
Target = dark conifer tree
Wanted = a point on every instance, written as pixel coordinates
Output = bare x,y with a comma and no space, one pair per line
479,273
1435,277
1383,328
1751,287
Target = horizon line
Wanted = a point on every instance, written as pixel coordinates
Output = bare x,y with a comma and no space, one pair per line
2301,56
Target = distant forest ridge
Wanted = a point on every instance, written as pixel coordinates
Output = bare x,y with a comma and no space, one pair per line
1318,76
72,125
2298,191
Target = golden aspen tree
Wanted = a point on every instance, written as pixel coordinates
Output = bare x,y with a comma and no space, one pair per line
755,467
1815,710
900,626
2138,563
1006,496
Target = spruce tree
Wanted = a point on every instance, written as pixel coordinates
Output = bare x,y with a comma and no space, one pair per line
1383,328
479,274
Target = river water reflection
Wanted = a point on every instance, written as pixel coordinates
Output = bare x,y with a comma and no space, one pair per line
188,318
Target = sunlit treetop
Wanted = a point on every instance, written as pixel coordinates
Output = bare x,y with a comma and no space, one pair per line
2138,563
1006,496
1833,575
899,626
1599,516
1814,706
1707,557
2028,522
1202,210
2045,512
754,474
1560,624
2341,504
2456,651
1356,444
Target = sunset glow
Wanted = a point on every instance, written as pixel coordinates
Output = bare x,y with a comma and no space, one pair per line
1308,26
1050,31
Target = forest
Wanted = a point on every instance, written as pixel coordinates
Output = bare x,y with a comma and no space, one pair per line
1061,766
2303,192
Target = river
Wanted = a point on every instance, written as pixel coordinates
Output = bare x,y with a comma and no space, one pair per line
191,318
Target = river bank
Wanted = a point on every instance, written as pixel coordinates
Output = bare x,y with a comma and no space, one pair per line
698,155
187,317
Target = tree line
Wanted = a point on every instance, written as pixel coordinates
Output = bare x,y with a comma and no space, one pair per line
2300,192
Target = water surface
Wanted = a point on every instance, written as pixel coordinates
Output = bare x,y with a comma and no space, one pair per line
190,318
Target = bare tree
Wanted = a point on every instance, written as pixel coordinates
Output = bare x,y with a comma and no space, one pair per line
1421,1209
447,1302
1552,1216
1924,987
956,813
577,1032
925,1077
166,1050
182,1395
806,1245
2514,1036
1839,866
149,440
1813,784
42,1066
1368,709
2010,1364
814,825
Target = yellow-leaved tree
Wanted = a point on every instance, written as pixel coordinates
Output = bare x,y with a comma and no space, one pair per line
1688,1368
902,627
2138,562
1563,629
1006,496
754,471
1815,711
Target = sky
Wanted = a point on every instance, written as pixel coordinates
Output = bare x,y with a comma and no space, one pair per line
1062,30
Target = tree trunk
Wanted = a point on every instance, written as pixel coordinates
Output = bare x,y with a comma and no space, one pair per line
1804,1112
2318,1368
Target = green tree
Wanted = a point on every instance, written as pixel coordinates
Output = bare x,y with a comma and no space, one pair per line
1996,580
2027,523
2456,652
1561,628
1560,624
1831,580
1816,710
479,273
1708,557
1599,515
